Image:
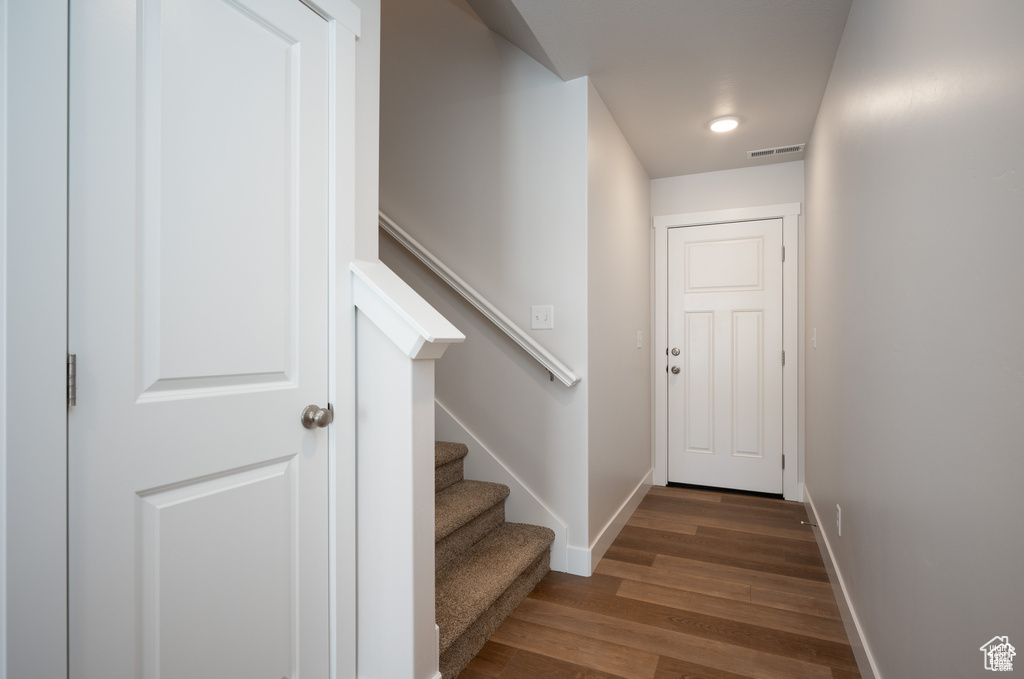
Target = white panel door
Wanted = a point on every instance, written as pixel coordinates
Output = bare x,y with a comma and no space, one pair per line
725,358
198,308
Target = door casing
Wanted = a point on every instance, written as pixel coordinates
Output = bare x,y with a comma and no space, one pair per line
792,341
33,337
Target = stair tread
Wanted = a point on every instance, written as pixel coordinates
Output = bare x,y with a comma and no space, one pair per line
463,501
447,451
489,568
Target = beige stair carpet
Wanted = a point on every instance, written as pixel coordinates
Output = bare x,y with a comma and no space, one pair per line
484,566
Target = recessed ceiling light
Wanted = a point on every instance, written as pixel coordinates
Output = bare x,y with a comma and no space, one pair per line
724,124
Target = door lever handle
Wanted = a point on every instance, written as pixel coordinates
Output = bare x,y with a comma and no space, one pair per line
314,416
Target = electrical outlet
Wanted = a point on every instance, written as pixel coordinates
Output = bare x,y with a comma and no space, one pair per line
639,339
839,521
814,338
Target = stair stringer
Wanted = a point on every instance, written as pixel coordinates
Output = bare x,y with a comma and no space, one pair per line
522,505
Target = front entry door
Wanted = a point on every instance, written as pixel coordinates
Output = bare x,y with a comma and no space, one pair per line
198,308
725,358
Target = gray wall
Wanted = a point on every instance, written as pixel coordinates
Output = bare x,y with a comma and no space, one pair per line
915,287
619,277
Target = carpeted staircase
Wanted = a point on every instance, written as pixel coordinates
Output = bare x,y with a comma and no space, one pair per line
484,566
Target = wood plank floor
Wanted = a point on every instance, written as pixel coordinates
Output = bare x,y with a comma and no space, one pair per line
698,585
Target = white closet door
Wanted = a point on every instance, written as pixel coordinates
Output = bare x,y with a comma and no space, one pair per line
198,308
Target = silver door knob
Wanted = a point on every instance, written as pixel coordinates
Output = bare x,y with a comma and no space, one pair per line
675,370
675,351
314,416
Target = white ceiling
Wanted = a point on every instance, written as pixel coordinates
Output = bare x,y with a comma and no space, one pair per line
665,68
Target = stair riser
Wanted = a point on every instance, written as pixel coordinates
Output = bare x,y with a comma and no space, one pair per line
449,550
447,474
463,649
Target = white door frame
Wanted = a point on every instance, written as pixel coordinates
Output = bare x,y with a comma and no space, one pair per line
792,331
33,311
33,345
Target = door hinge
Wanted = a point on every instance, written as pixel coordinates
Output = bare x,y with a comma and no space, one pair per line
783,253
72,386
783,358
783,461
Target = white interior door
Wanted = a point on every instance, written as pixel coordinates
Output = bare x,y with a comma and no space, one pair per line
725,358
198,308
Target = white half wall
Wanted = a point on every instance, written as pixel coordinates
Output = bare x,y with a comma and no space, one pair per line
915,390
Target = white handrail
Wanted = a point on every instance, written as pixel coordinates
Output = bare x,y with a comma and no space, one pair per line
518,335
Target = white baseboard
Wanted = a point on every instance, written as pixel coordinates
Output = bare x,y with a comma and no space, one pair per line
858,642
583,561
578,561
522,505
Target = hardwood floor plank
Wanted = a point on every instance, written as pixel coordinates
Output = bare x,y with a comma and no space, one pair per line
795,531
813,560
625,555
692,547
770,549
606,583
673,668
701,650
689,493
789,545
752,577
796,508
732,632
527,665
470,673
725,510
827,629
791,601
690,583
658,540
845,674
490,661
666,524
603,655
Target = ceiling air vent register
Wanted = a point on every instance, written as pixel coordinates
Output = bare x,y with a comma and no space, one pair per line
777,151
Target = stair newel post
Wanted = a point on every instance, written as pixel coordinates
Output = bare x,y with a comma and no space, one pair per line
398,339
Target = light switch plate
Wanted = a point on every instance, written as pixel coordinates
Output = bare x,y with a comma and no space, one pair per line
542,317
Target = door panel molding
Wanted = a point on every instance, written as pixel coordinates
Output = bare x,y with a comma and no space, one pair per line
792,433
